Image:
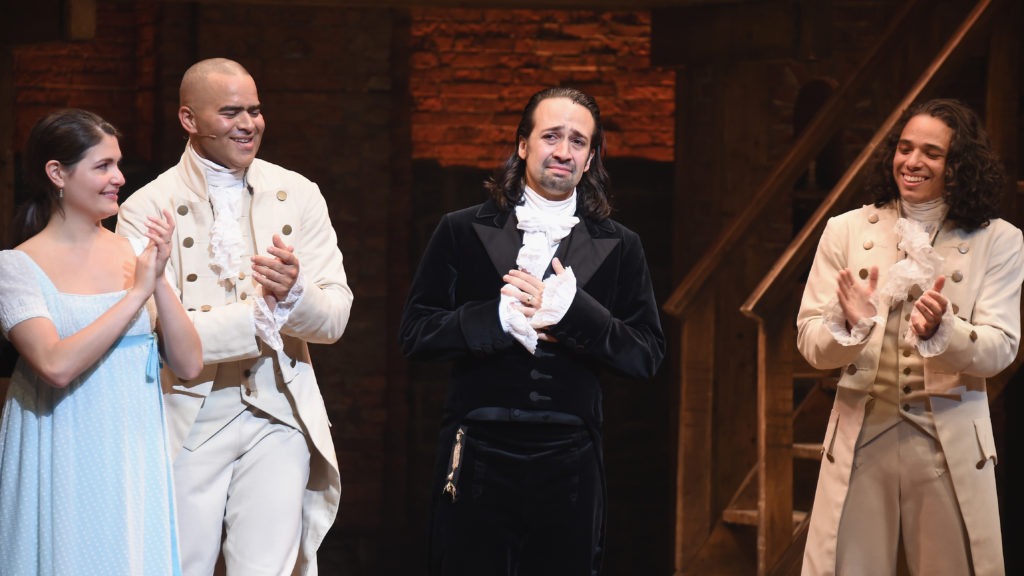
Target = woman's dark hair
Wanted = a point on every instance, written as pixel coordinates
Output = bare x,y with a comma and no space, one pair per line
64,136
974,175
506,185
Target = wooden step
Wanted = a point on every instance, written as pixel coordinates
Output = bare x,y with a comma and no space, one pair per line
748,517
807,451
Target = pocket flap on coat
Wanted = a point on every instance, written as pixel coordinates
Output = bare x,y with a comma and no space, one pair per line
986,441
830,435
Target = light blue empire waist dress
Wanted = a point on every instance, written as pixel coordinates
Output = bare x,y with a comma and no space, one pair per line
85,477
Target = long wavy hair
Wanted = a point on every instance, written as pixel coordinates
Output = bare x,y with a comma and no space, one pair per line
65,136
506,185
974,175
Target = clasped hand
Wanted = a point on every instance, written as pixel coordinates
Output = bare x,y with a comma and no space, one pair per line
276,273
855,300
529,291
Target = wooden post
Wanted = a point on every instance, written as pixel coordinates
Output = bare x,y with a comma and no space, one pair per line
693,458
81,19
1002,94
775,345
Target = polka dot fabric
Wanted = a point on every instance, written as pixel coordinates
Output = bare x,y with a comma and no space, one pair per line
85,479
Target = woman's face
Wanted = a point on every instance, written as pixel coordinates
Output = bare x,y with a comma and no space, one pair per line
919,164
91,185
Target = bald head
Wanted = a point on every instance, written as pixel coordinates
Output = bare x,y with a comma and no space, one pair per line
197,76
220,110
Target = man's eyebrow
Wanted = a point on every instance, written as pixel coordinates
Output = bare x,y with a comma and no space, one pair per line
926,145
236,108
563,128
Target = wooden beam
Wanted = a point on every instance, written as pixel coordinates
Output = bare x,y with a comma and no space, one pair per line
713,33
1002,95
476,4
80,19
740,31
775,348
696,415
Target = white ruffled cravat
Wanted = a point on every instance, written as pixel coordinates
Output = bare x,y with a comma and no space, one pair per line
544,224
225,188
915,230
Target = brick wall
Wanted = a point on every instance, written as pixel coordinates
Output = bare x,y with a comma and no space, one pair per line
108,75
474,70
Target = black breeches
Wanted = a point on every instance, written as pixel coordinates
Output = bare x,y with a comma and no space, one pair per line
525,500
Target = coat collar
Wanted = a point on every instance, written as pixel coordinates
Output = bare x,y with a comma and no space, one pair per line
584,249
191,171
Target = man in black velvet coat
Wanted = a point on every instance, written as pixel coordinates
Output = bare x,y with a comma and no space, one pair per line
531,295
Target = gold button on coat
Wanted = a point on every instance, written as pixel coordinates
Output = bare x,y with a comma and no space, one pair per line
863,273
191,277
287,229
851,369
182,209
963,248
282,195
244,296
188,242
868,245
957,276
974,336
873,218
206,307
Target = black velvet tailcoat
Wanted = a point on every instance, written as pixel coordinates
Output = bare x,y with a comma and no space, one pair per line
452,314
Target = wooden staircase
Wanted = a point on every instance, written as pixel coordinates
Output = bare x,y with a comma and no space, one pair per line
763,527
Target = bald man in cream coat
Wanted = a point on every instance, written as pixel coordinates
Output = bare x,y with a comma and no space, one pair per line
256,263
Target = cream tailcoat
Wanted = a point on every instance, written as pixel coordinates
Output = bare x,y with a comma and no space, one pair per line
984,270
285,203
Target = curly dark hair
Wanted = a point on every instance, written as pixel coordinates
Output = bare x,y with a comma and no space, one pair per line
974,175
506,185
65,136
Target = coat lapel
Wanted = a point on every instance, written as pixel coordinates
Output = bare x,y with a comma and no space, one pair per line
583,252
497,232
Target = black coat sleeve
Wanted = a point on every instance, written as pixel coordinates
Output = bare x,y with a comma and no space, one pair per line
436,323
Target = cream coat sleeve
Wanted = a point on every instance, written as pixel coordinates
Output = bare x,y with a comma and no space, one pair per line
985,338
322,313
814,340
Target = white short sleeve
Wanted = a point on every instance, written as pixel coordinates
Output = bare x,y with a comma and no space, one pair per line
20,296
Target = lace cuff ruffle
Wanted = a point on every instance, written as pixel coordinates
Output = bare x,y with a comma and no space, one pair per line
559,292
835,321
268,322
939,341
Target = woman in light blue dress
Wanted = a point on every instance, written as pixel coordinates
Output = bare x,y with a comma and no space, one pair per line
85,482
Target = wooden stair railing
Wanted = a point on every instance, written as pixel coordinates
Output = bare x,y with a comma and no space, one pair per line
807,146
773,305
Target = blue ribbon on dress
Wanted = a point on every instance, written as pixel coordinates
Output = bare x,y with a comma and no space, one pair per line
153,358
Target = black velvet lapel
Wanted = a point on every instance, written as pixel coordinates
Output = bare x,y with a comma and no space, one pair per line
583,252
501,239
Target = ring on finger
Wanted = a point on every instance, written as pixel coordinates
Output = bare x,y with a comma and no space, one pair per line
529,298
